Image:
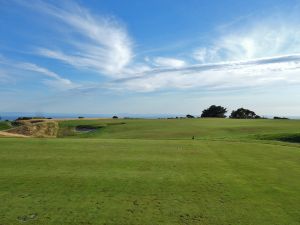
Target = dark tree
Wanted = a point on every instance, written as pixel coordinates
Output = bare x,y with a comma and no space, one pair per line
189,116
80,117
214,111
115,117
280,118
24,118
242,113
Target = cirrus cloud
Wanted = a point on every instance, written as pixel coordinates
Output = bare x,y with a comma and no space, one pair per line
96,42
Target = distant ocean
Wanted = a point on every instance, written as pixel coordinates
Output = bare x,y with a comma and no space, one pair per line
15,115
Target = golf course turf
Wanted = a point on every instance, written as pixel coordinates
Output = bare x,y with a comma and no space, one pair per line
147,172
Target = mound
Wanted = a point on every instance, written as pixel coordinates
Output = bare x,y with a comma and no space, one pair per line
39,129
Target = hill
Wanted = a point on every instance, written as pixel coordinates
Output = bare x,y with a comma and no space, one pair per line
180,128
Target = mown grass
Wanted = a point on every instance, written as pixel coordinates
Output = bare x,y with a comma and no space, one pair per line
182,128
145,172
72,181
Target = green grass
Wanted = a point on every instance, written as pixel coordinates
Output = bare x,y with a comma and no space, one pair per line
289,137
149,172
5,125
183,128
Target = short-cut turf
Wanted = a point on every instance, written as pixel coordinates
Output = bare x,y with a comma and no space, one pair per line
141,181
180,128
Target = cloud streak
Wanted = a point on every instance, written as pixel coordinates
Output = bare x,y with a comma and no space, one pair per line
217,76
53,79
168,62
97,43
57,81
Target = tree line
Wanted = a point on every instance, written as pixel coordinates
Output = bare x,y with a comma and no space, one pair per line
215,111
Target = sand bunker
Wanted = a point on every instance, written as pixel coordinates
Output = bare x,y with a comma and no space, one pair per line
36,129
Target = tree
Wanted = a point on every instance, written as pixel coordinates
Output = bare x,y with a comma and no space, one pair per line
242,113
214,111
115,117
280,118
189,116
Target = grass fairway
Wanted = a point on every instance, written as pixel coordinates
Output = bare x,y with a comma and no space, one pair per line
134,174
180,128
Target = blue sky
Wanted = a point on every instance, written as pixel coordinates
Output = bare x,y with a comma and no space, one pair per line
148,57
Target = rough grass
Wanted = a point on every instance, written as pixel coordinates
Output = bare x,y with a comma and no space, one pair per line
4,125
286,137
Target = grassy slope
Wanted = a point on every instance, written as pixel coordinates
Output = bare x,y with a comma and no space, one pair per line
186,128
85,181
4,125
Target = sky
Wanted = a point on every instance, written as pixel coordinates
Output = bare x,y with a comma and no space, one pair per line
149,57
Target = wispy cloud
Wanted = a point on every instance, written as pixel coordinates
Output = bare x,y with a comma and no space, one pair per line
262,54
98,43
57,81
268,38
53,79
167,62
4,76
279,70
257,54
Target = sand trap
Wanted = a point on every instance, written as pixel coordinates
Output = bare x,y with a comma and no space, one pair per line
85,128
6,134
38,129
